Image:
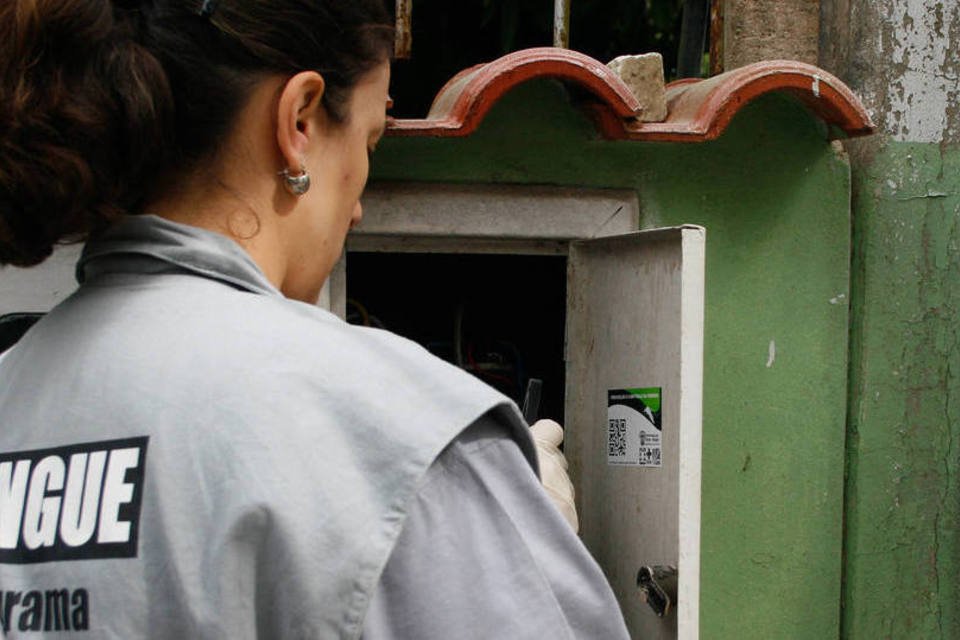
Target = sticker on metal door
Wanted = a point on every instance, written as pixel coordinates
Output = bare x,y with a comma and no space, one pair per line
634,431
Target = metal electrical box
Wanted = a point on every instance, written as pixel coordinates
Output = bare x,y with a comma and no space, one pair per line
624,313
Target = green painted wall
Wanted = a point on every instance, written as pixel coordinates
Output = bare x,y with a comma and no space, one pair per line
902,578
774,196
901,555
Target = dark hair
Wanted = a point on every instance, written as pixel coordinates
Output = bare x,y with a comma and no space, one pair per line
101,100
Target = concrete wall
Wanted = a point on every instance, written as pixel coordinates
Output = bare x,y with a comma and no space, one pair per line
774,197
41,287
902,557
755,30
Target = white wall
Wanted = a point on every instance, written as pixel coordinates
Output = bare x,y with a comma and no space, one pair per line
39,288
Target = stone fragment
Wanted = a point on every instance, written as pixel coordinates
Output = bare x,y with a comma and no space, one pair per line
643,74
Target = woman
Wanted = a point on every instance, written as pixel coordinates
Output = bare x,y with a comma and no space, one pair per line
189,448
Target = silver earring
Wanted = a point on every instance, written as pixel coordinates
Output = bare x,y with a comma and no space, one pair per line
296,184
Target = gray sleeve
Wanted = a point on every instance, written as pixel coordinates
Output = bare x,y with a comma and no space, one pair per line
485,554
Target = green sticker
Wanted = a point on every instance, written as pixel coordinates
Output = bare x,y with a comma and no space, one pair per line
649,395
634,427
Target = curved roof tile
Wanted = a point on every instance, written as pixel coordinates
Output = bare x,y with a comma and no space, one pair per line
698,110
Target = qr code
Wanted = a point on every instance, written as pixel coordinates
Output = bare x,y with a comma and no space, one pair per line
617,438
650,456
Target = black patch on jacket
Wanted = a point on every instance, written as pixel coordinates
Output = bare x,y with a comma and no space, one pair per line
78,502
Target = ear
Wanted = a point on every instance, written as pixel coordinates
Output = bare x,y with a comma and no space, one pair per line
300,114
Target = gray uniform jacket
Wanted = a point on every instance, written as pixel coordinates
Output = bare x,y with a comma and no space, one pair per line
185,453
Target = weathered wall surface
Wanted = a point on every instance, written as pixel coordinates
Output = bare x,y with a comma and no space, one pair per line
902,553
902,57
774,197
757,30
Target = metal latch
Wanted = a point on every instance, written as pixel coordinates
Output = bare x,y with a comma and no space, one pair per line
658,588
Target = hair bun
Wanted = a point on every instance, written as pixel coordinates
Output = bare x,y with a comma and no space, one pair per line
83,108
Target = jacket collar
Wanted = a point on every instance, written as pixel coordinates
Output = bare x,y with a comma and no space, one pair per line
151,244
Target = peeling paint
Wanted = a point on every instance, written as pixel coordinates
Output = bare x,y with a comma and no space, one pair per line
816,86
903,502
925,82
837,299
929,194
771,353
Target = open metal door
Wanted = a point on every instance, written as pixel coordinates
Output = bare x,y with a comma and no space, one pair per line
633,414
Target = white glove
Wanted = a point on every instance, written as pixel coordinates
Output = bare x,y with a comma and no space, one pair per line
547,435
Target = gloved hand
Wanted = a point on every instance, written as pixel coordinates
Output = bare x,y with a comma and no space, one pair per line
547,435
